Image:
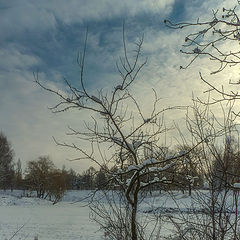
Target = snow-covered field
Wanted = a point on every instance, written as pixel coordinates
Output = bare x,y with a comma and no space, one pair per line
32,218
29,218
39,218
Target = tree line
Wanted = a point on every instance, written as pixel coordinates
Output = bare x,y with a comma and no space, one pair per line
41,177
47,181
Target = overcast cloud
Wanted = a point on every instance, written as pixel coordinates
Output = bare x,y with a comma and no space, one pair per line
45,36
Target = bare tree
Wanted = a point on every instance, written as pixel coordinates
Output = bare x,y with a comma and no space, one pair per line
56,186
18,175
209,38
132,138
45,179
37,175
6,162
215,212
218,216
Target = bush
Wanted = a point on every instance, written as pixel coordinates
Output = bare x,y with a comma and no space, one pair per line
45,179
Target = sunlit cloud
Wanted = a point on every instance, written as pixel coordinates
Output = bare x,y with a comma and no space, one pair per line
45,37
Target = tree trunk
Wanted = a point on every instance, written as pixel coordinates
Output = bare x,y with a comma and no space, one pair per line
133,222
134,212
189,189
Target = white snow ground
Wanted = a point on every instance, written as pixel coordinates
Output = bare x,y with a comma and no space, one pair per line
31,217
69,219
46,221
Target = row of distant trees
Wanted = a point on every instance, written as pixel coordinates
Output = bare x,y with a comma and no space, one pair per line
42,176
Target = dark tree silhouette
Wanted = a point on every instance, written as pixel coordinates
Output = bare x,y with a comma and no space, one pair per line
6,162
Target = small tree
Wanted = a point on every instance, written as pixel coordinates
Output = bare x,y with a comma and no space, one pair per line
18,175
56,186
70,178
101,179
127,133
45,179
189,172
6,163
226,166
88,178
37,175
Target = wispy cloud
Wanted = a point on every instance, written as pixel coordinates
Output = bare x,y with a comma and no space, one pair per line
42,15
45,36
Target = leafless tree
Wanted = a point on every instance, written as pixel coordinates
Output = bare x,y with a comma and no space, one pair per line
132,140
37,173
43,177
215,211
18,175
6,162
217,39
56,186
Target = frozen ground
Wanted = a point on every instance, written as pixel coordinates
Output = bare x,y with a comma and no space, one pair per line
44,220
69,220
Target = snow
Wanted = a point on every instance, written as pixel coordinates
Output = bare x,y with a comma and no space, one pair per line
166,167
136,144
69,219
44,220
153,169
149,161
118,87
197,50
186,160
205,185
132,167
236,185
169,157
182,152
119,170
147,120
237,36
161,169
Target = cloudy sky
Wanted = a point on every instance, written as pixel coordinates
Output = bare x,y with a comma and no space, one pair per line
46,36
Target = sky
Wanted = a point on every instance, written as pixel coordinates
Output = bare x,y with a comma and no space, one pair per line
46,37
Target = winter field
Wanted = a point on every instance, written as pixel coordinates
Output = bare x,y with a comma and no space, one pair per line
25,218
39,218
